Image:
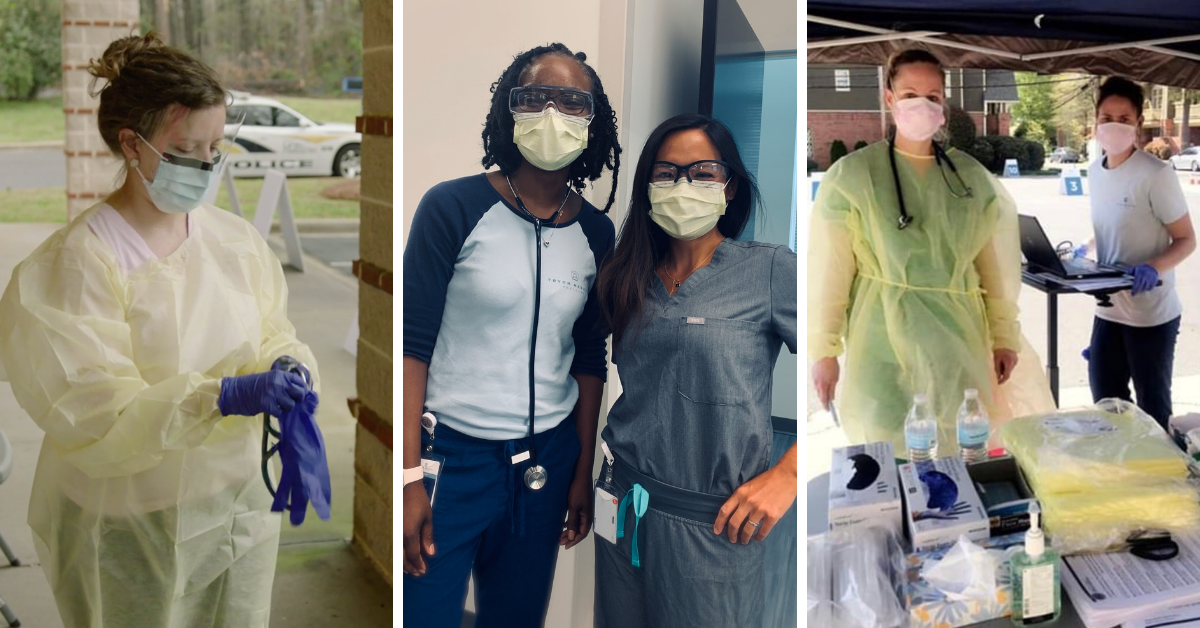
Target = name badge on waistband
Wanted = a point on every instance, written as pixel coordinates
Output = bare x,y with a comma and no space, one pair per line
695,320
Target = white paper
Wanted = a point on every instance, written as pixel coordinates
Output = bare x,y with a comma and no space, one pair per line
1108,589
1178,617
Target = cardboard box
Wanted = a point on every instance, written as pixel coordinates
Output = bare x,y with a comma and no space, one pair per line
864,488
1007,514
928,607
932,525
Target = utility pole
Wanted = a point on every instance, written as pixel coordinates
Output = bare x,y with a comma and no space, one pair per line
162,19
1184,135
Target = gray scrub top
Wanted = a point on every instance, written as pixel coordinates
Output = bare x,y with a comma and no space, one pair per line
696,371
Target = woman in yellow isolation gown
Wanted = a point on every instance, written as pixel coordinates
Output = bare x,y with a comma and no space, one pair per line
918,291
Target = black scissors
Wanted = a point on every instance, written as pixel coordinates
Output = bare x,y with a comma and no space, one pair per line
292,365
1152,545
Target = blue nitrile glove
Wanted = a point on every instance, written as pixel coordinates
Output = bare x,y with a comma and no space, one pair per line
1145,279
305,475
1081,250
273,392
1087,354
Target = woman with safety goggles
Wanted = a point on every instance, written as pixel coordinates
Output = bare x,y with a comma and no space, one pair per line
698,319
142,337
915,265
505,351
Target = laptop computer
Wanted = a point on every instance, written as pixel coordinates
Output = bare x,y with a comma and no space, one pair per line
1042,256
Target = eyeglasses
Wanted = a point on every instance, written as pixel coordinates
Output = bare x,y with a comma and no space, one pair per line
697,171
567,100
189,162
269,431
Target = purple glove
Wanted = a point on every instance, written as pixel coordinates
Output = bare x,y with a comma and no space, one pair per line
305,476
1145,279
1087,354
273,392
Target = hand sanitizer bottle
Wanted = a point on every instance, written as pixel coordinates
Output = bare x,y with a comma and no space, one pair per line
1036,594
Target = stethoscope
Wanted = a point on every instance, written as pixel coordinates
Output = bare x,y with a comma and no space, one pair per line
535,475
939,154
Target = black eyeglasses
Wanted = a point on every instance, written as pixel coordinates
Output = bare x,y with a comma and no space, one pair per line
534,99
705,170
269,448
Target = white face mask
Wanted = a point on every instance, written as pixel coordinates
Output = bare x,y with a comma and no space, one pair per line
685,210
178,189
1116,138
918,119
548,139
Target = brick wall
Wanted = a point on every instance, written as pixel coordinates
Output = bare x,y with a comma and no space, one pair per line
373,407
88,27
850,128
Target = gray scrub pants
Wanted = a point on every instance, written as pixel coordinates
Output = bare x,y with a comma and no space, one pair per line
689,577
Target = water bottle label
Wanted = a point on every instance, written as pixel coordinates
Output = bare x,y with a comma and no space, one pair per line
972,436
918,441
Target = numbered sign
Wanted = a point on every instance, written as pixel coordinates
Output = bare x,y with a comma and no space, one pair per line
1070,182
1011,169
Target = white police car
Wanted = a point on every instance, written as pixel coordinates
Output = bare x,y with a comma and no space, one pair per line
276,136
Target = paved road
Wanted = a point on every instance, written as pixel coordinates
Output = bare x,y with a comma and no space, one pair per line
33,168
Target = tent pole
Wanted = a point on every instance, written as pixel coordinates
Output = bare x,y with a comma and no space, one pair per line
1109,47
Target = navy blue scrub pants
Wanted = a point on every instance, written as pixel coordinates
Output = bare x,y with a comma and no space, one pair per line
486,521
1146,355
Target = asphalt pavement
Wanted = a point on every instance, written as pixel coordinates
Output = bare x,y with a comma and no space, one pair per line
28,168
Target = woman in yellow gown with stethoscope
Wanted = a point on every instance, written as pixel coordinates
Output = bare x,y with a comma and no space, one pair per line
914,269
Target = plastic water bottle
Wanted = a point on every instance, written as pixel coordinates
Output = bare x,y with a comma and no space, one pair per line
920,430
973,428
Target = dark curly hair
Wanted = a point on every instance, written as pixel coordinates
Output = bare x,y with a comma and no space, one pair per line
603,150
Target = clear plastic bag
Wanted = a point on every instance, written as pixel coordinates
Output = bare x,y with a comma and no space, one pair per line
1102,474
855,580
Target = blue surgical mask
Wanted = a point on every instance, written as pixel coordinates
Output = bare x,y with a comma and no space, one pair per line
181,183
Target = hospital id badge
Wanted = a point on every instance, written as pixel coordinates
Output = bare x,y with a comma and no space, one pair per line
605,512
431,467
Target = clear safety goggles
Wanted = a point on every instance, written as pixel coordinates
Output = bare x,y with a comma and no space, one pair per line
224,147
535,98
707,171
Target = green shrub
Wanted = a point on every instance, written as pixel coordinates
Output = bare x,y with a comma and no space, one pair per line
861,144
983,152
1035,156
812,165
837,150
961,129
30,47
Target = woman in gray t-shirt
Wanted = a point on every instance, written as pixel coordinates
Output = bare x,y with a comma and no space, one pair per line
1141,221
698,320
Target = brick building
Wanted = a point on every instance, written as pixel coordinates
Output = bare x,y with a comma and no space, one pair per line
846,103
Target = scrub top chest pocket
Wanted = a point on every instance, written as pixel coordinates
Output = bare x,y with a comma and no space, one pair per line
721,361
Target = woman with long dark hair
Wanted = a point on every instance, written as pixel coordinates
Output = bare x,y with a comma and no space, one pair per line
505,352
698,319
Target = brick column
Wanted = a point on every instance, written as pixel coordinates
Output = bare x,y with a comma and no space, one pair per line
373,407
87,29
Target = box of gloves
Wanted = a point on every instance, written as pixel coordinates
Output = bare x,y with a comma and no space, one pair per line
864,489
941,504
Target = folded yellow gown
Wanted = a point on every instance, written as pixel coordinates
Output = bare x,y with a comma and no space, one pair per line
1103,473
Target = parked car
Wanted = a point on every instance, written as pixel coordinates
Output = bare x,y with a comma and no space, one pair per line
1189,159
276,136
1064,155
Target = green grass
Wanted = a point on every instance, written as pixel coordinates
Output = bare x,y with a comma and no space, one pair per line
36,121
50,204
44,121
326,109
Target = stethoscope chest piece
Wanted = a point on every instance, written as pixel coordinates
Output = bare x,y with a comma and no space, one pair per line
535,477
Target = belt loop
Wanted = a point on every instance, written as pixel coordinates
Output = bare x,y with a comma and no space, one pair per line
640,500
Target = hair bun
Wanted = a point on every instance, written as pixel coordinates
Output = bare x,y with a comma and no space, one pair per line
121,52
581,56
